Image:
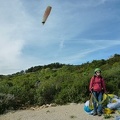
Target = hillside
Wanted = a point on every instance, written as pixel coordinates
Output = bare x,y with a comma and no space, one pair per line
56,83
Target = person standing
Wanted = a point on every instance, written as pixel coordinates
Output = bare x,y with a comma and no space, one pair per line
97,87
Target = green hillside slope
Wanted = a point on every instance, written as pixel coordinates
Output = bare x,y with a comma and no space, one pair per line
56,83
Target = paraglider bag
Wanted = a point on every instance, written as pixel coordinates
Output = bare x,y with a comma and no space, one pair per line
117,118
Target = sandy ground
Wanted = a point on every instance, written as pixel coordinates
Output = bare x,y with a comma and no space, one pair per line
64,112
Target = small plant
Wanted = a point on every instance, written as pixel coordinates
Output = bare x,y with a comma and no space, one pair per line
107,116
47,111
19,118
72,116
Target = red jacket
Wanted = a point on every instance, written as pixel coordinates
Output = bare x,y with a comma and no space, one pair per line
97,84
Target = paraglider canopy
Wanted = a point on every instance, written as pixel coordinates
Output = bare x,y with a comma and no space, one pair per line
46,14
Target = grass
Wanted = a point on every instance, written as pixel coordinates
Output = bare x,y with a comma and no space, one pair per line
107,116
72,116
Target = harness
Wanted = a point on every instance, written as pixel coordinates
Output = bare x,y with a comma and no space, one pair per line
92,96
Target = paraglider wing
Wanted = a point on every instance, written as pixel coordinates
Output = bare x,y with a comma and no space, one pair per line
46,14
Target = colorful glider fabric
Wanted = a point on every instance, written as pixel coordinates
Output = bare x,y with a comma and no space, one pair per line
46,14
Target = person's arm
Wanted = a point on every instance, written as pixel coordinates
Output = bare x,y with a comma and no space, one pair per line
91,84
104,86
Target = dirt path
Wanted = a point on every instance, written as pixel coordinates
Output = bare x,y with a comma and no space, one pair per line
65,112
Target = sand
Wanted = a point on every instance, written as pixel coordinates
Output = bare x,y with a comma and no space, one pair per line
65,112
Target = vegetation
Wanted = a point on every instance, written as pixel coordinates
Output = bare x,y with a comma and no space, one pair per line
108,116
56,83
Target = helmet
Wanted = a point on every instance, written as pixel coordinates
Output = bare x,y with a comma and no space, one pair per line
97,69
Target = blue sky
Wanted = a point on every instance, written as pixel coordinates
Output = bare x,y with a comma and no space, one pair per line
76,32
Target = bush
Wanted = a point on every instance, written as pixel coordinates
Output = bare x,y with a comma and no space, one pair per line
6,102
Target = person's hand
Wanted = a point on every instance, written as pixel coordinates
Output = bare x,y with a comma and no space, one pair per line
106,92
91,91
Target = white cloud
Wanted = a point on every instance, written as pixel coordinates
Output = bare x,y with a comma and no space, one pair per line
92,47
13,25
